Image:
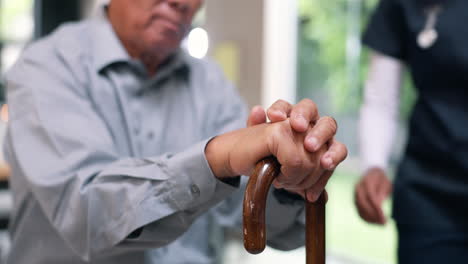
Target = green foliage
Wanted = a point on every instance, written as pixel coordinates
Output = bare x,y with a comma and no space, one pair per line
322,54
324,27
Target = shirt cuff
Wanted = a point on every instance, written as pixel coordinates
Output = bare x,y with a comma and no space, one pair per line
191,188
285,197
192,180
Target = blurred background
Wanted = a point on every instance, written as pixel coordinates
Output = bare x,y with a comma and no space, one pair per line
270,49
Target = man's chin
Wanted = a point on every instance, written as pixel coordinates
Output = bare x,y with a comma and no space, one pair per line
166,42
162,50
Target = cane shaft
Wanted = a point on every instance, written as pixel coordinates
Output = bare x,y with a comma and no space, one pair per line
315,231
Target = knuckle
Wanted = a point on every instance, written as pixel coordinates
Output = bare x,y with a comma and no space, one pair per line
309,106
331,123
342,150
281,130
345,152
270,111
309,103
281,103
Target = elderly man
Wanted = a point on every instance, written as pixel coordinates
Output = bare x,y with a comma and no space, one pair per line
120,147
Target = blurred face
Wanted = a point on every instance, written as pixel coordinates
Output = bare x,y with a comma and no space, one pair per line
152,27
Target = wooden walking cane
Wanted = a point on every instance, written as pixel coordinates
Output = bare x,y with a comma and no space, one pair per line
254,214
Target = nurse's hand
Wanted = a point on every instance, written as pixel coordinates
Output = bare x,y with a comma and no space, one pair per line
370,192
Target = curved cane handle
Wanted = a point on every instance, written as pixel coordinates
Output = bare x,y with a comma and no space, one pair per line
255,203
254,214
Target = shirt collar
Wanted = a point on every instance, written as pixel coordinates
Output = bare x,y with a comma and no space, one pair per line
107,48
175,64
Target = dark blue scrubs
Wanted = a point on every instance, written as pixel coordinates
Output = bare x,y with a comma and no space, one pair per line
431,186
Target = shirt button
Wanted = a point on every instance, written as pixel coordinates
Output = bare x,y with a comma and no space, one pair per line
195,190
150,135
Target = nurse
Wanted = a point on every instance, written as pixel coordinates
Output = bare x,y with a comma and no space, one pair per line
429,38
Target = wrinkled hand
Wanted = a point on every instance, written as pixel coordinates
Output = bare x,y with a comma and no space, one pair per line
237,152
370,192
319,140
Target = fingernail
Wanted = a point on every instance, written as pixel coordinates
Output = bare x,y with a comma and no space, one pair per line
280,114
312,197
313,143
301,120
329,163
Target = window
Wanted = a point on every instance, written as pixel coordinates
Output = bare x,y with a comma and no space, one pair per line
16,29
331,71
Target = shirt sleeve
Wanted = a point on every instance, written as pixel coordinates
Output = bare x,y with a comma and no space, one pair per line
91,195
387,30
379,112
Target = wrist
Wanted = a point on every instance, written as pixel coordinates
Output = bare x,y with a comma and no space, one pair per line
236,153
217,158
375,169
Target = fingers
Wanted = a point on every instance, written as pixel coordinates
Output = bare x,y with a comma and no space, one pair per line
303,114
385,188
336,153
296,167
321,133
300,169
365,210
370,192
312,186
257,116
316,190
279,111
308,195
325,196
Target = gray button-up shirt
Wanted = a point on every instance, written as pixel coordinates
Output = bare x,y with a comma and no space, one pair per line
108,163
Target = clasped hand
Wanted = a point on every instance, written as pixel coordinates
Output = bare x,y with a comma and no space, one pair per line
301,140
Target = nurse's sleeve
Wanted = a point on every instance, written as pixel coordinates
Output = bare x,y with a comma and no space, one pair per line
386,32
379,112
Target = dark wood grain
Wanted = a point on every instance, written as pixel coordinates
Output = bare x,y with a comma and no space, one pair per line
255,202
315,231
254,214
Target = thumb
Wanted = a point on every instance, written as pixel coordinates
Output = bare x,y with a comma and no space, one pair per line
257,116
